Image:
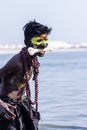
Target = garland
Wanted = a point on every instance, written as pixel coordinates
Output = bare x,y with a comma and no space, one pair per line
31,61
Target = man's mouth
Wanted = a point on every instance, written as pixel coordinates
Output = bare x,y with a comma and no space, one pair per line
41,54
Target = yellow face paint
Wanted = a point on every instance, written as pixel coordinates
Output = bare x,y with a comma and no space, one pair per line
38,40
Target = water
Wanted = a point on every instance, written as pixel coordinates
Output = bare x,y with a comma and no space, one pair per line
62,90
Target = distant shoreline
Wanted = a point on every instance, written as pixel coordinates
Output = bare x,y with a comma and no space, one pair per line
14,51
70,49
9,51
56,46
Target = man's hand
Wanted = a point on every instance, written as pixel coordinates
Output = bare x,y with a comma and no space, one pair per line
6,110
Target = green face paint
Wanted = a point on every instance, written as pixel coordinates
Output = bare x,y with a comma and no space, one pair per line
39,40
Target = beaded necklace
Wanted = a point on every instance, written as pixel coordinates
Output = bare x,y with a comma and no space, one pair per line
31,61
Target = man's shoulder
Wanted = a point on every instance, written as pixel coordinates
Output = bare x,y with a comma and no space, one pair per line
15,60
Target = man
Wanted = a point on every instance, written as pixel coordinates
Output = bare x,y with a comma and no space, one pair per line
16,111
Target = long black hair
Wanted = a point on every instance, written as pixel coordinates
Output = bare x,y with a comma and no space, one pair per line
33,29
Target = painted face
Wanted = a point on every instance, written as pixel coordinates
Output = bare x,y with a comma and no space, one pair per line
40,42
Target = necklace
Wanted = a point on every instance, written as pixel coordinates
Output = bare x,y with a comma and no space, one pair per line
31,61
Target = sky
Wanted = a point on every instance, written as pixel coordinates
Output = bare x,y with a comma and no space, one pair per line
67,18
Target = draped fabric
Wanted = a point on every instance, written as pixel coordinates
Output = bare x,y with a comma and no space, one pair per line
22,120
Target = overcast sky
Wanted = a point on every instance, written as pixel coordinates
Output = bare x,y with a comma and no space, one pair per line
68,19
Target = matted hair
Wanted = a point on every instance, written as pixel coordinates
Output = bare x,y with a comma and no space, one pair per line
33,29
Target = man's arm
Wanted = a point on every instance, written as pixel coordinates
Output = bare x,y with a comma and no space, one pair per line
13,66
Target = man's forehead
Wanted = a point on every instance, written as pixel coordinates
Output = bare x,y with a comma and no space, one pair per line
43,36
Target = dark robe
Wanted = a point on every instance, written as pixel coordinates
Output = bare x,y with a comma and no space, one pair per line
23,120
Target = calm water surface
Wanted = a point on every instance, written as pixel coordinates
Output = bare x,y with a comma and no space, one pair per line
62,90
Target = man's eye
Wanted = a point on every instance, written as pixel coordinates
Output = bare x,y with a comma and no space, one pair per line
46,39
39,40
